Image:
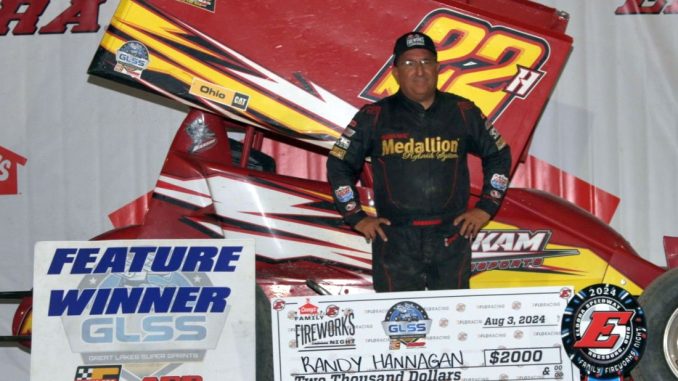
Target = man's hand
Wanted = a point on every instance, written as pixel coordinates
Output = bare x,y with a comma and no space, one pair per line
471,222
371,226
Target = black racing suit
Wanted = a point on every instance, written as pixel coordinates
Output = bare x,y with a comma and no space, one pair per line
421,183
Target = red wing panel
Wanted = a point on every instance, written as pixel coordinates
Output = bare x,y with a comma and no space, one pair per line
303,68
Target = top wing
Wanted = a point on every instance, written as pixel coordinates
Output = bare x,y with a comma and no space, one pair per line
303,68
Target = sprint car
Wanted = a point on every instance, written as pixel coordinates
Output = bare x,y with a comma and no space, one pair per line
294,73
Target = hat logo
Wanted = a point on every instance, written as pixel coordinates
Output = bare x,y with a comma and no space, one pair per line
414,40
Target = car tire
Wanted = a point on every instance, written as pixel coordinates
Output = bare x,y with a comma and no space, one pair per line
660,303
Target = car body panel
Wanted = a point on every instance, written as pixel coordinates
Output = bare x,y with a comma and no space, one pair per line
300,70
305,67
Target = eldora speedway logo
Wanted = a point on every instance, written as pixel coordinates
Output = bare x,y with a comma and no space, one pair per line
603,330
406,323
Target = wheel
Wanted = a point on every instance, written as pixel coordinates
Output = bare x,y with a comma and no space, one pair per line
264,337
660,303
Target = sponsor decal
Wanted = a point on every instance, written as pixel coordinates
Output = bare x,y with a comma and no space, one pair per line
499,182
350,206
332,311
309,309
219,94
202,137
513,249
348,132
344,193
415,40
278,305
435,148
604,331
395,135
337,152
498,139
81,15
475,68
495,193
329,331
406,323
645,7
98,373
491,130
202,4
494,306
131,59
343,142
9,162
300,112
500,143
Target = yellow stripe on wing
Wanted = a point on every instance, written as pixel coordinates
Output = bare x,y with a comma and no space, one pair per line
148,28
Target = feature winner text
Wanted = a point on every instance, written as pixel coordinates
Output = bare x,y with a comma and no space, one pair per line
162,284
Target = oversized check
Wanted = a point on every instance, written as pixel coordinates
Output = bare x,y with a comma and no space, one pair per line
482,334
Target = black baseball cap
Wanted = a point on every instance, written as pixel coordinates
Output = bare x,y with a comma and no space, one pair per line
413,40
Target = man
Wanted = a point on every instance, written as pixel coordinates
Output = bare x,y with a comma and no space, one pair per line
418,140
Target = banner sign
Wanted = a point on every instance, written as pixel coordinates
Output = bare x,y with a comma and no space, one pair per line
144,310
481,334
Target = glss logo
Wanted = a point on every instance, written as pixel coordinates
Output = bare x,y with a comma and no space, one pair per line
406,323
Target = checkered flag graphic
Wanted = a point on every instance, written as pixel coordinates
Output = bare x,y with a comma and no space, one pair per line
83,373
98,373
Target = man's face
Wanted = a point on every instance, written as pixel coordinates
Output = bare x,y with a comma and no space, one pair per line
417,74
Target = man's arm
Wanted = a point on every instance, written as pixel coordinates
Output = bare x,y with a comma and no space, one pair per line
489,145
496,168
345,162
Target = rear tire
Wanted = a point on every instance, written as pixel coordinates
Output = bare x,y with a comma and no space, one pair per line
660,303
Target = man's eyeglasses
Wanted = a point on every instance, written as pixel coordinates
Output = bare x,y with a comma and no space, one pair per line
425,63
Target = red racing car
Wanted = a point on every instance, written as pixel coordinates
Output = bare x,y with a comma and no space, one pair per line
296,74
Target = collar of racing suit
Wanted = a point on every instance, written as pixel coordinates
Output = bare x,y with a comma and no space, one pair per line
416,106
